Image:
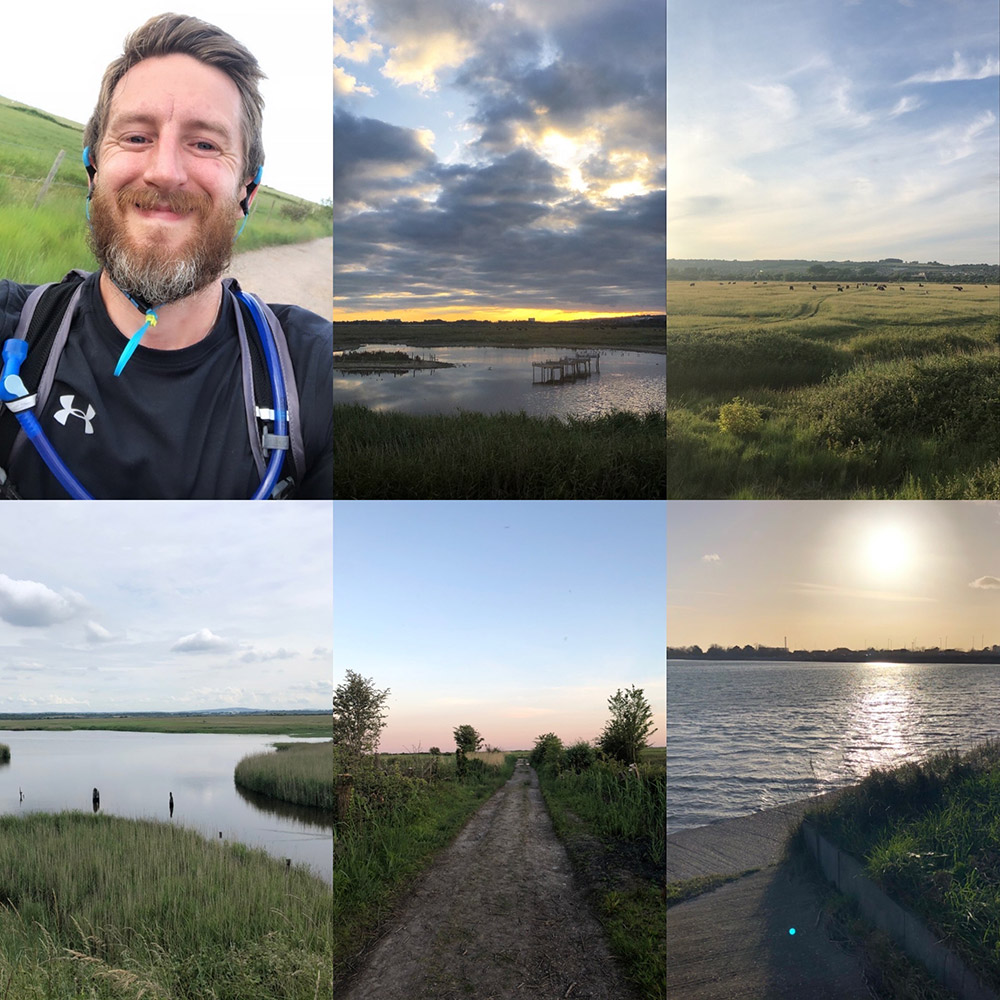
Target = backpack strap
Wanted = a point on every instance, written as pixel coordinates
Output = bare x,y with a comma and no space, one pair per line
257,390
43,324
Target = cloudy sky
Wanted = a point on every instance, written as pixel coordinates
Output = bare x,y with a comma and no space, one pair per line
165,606
56,64
828,573
498,159
518,618
834,129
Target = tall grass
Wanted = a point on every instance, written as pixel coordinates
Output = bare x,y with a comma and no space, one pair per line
102,907
397,822
473,456
302,774
929,834
277,724
4,753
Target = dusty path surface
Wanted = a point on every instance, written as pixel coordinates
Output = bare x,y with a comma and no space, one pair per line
497,916
299,274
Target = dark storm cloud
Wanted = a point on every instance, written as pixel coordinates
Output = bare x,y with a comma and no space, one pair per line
513,227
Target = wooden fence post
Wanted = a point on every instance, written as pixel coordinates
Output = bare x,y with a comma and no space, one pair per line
49,179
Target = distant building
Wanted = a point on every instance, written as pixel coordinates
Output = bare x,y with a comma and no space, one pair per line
531,319
392,321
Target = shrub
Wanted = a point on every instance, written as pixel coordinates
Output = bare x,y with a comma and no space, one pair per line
739,417
547,753
580,756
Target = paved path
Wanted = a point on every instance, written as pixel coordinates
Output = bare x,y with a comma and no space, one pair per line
496,917
298,274
734,943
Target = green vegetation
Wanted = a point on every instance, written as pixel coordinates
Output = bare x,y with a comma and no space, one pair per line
928,834
276,723
404,808
4,753
642,336
774,393
611,821
505,456
101,907
44,243
301,773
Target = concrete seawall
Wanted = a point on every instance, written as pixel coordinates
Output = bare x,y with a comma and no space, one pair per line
904,927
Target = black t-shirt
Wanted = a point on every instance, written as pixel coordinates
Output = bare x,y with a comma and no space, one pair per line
173,425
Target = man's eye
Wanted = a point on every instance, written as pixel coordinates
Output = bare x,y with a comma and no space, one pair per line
135,139
206,147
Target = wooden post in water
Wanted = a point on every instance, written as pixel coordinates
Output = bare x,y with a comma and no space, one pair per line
97,800
345,788
47,184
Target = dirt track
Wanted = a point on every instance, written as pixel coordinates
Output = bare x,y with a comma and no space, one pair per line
497,916
298,274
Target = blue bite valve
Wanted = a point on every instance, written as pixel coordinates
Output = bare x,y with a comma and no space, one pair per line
11,386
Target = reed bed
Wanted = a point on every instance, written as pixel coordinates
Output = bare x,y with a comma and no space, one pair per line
105,907
4,753
475,456
300,773
928,833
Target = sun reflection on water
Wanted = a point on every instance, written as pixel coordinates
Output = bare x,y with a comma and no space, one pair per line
880,719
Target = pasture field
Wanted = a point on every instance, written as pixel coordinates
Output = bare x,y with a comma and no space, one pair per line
499,456
121,909
814,393
44,243
404,809
277,724
296,772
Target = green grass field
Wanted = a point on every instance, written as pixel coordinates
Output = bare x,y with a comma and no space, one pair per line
106,908
775,393
44,243
277,724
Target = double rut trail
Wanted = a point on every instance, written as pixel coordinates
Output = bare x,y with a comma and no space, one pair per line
496,916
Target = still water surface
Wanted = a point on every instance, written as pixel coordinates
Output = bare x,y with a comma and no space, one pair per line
136,772
491,379
747,735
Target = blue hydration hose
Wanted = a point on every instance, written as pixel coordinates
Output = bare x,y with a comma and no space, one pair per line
279,398
15,395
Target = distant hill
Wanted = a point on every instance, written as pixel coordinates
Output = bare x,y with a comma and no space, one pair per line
888,269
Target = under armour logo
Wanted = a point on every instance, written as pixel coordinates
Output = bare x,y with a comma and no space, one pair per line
69,410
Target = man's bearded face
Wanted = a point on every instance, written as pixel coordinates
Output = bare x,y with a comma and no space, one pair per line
143,258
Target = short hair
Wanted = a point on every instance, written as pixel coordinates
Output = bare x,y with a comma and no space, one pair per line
170,34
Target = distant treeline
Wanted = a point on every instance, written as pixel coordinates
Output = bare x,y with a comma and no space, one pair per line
656,320
832,270
840,654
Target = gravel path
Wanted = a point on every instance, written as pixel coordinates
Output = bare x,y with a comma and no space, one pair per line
497,916
298,274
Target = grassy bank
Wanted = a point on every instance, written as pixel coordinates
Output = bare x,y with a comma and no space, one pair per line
612,825
276,724
104,907
928,834
398,822
506,456
647,336
43,243
301,773
774,393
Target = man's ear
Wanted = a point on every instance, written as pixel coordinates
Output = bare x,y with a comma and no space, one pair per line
251,187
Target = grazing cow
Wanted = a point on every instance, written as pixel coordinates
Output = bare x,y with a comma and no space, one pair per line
791,288
691,285
815,289
901,288
957,288
921,284
839,289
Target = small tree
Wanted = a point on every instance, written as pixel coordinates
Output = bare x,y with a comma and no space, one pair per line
631,724
358,716
467,739
580,756
547,752
435,751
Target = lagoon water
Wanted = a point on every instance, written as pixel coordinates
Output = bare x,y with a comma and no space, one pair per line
492,379
748,735
136,772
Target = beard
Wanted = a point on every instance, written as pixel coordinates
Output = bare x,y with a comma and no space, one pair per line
145,268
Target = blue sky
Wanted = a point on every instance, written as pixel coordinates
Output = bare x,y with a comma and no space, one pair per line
834,129
518,618
498,156
58,67
165,606
833,573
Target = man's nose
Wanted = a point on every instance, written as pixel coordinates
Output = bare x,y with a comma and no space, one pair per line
165,164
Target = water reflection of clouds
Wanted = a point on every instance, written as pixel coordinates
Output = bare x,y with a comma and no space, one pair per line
491,380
